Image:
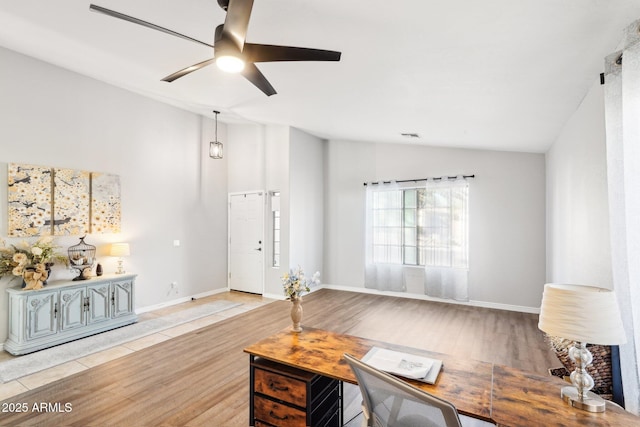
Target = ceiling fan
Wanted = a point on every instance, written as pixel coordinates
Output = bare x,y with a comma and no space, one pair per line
231,51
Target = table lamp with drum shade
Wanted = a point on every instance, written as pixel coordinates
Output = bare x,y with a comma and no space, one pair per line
584,314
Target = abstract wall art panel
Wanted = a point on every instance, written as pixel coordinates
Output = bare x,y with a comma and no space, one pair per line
29,200
71,193
43,201
105,203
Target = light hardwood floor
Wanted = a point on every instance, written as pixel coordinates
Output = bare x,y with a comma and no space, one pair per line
29,382
202,376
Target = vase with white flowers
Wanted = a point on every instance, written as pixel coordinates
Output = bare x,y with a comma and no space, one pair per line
30,261
295,284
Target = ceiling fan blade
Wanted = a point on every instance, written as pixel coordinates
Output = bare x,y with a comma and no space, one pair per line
128,18
271,53
254,75
237,21
185,71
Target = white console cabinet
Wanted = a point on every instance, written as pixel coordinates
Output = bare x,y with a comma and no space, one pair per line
66,310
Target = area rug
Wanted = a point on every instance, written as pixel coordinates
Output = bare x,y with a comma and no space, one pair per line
47,358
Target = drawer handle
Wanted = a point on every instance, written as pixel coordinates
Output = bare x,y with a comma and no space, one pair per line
274,387
273,415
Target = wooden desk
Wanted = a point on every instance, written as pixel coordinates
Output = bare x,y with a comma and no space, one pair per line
521,398
506,396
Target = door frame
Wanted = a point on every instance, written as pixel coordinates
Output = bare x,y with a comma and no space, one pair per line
261,193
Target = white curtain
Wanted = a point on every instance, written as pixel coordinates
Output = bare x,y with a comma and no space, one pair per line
446,271
622,116
384,276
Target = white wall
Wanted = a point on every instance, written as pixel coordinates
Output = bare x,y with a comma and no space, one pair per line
507,208
578,245
307,201
170,187
244,150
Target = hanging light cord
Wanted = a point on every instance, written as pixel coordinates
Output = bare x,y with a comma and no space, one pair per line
216,113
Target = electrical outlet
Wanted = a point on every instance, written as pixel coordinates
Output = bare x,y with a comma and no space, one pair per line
173,288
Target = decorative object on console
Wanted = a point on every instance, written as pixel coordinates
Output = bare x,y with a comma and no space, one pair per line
31,262
584,314
295,284
35,278
81,257
120,250
99,270
215,147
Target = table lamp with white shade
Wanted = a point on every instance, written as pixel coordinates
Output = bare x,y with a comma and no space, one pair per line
120,250
584,314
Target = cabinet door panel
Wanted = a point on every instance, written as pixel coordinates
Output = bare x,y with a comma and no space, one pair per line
42,315
72,307
122,298
99,303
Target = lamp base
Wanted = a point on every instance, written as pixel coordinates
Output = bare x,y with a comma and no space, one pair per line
120,269
593,402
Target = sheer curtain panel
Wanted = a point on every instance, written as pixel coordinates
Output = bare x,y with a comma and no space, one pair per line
444,239
622,117
383,263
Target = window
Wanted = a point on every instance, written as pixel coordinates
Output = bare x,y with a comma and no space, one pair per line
275,228
426,226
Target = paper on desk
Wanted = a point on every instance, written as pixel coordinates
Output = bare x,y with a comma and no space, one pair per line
404,364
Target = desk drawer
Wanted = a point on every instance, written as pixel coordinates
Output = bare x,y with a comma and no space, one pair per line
277,414
281,387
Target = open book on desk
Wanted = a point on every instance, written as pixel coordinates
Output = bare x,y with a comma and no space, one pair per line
404,364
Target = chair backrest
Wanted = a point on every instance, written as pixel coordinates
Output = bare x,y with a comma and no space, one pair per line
392,402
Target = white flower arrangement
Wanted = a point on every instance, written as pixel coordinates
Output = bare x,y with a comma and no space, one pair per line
16,259
295,283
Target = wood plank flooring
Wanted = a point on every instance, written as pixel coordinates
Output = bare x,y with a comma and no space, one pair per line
202,378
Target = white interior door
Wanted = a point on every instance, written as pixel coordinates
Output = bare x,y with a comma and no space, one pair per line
246,224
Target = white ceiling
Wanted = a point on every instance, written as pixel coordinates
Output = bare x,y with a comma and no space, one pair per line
490,74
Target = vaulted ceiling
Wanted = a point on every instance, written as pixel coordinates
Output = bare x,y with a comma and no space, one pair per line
490,74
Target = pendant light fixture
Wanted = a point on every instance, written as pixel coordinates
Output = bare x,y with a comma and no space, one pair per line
215,147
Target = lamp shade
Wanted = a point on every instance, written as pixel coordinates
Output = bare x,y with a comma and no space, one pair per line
119,249
579,313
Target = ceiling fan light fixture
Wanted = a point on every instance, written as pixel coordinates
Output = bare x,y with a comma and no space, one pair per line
230,63
231,52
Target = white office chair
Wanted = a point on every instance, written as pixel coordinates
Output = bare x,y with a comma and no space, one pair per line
390,402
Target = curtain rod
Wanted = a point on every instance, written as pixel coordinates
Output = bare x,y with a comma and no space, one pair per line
420,179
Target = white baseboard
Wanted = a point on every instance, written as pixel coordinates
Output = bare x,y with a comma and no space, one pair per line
179,300
274,296
485,304
282,297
